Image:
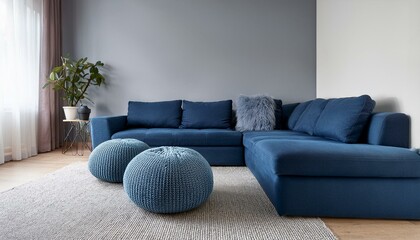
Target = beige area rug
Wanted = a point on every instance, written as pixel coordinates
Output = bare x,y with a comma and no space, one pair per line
72,204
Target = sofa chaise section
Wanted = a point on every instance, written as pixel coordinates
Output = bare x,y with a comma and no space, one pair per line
307,176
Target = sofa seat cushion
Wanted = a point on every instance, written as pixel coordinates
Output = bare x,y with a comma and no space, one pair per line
251,138
183,137
334,159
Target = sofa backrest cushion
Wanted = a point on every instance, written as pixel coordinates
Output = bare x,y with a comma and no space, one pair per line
166,114
201,115
309,117
343,119
255,113
297,111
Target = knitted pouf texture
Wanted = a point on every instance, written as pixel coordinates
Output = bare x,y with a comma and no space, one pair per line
109,160
168,179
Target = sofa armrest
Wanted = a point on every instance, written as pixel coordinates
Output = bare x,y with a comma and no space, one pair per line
389,129
102,128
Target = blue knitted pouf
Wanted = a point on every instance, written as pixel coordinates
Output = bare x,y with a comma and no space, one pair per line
168,179
109,160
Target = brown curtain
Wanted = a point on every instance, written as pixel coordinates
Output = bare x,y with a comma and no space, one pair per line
50,102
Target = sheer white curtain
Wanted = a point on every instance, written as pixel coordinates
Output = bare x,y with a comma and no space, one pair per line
2,157
20,32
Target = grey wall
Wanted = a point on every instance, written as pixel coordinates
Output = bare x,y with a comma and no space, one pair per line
194,49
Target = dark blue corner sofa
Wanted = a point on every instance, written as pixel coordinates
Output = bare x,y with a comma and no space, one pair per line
302,173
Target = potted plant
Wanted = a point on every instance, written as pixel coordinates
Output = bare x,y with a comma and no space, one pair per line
74,78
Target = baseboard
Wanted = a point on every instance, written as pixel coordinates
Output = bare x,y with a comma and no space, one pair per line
7,154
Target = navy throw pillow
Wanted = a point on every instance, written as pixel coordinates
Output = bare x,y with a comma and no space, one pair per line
287,110
308,119
343,119
201,115
278,112
294,117
165,114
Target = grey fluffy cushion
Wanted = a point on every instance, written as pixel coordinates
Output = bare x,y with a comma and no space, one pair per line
255,113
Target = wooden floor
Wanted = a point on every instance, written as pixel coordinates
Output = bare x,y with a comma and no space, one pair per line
15,173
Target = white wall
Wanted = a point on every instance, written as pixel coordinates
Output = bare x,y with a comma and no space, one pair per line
372,47
197,50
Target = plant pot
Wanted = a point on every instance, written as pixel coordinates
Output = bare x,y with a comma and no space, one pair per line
83,112
70,112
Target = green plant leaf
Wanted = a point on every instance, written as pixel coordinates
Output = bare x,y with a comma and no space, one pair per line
74,78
